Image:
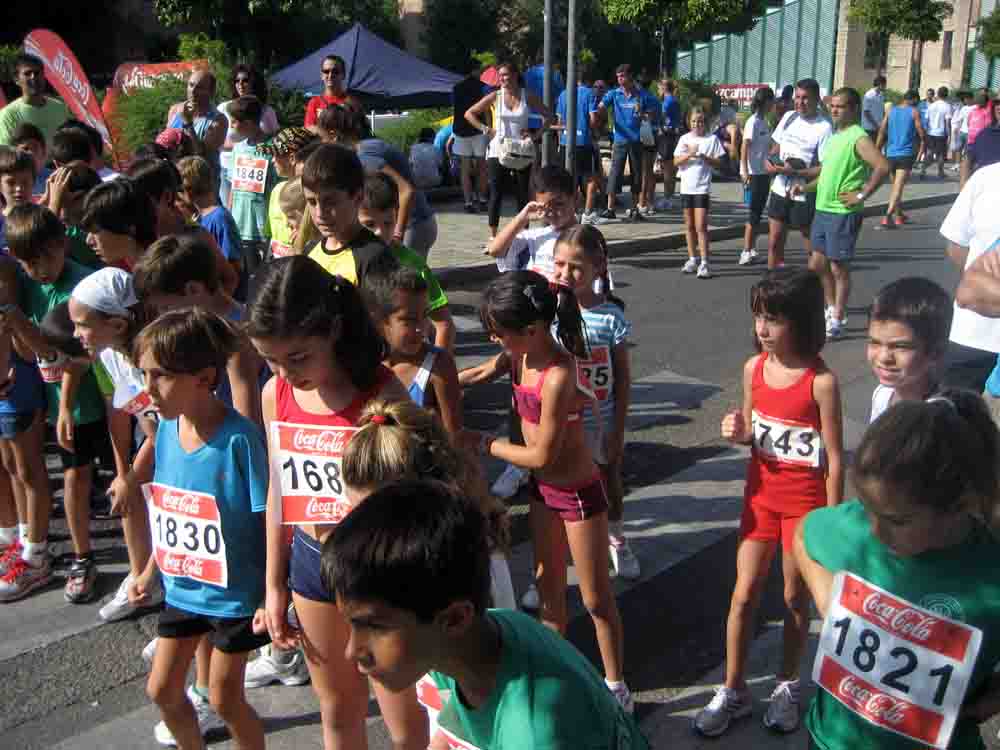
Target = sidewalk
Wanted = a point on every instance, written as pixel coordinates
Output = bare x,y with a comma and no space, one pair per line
458,253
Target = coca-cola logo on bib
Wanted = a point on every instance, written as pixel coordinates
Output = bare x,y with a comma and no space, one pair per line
330,442
182,565
333,509
905,621
181,503
873,703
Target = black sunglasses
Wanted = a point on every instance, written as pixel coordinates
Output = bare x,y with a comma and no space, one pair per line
331,71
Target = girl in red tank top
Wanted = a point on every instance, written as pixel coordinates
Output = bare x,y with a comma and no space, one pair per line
317,337
791,417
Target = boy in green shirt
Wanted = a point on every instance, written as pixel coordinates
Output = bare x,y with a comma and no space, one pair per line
37,241
252,179
493,680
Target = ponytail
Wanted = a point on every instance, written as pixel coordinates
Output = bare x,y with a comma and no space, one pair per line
570,332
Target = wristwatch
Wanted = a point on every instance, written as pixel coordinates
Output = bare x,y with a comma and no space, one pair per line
861,197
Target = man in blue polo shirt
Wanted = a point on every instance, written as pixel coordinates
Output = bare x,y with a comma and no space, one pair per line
630,105
585,157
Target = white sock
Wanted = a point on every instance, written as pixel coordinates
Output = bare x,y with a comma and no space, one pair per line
8,535
616,531
22,532
615,685
34,552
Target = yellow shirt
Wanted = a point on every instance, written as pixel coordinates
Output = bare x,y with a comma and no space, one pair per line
340,263
281,233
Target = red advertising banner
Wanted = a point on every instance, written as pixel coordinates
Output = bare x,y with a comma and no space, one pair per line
64,72
741,92
3,100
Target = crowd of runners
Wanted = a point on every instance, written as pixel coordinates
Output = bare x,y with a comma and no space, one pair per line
242,327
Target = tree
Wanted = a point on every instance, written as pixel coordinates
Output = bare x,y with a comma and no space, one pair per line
919,20
686,19
988,40
455,28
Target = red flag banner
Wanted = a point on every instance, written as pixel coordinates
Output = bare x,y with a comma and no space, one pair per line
66,75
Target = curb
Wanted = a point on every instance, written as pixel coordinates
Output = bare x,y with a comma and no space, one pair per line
672,240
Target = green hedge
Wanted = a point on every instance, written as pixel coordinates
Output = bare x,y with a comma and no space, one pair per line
143,112
405,133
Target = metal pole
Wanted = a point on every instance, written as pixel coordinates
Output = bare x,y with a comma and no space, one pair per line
662,35
547,87
571,115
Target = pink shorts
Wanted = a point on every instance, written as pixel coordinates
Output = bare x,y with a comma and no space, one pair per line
579,503
766,525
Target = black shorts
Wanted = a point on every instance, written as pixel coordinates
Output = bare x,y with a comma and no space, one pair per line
696,201
795,214
585,158
89,440
760,188
937,144
897,163
231,635
666,143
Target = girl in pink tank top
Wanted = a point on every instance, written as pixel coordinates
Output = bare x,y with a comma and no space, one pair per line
319,340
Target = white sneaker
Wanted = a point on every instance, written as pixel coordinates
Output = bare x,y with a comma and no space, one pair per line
624,697
648,211
714,719
508,483
747,257
119,607
690,267
783,711
834,330
703,271
265,669
149,651
530,600
624,561
208,720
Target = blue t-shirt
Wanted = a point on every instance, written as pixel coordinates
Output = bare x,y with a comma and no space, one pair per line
671,112
585,104
627,111
220,224
40,181
441,138
922,109
902,132
376,153
232,468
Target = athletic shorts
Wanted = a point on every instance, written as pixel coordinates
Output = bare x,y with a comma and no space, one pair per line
937,144
795,214
897,163
12,425
759,188
666,144
304,568
835,235
765,525
702,200
88,441
470,145
585,160
578,503
231,635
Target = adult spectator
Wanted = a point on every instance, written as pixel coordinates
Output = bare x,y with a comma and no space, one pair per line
246,81
44,112
960,128
198,115
444,142
629,105
333,69
938,129
470,144
851,169
753,169
784,103
730,136
426,161
873,108
972,227
981,116
671,128
511,105
902,136
799,136
986,148
583,157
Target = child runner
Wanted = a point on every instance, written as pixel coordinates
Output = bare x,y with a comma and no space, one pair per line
569,502
378,213
313,330
17,176
496,678
65,195
908,326
28,137
581,259
791,416
120,222
206,504
397,299
201,201
920,543
284,149
697,153
756,180
37,240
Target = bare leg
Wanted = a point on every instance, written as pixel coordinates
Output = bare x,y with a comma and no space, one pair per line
796,619
76,498
229,700
777,233
753,559
821,267
165,687
549,542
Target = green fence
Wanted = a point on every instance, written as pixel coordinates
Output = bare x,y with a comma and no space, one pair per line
982,71
789,43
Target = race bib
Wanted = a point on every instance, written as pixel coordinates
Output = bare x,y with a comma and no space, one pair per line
187,534
52,369
785,441
894,664
249,174
306,466
141,405
281,250
596,375
433,699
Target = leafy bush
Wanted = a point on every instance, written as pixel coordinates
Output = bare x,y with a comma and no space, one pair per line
289,105
405,133
143,112
893,96
988,40
691,91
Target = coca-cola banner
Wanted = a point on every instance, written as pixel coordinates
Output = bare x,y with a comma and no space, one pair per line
305,464
893,663
64,72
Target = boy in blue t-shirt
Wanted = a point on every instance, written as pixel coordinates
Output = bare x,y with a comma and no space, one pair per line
206,504
199,199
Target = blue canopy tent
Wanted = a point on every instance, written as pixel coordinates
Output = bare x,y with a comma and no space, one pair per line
382,75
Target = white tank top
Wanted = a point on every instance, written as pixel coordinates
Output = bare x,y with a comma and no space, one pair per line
509,122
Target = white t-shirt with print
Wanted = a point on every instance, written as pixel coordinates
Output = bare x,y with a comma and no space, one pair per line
799,138
696,174
938,115
757,135
974,222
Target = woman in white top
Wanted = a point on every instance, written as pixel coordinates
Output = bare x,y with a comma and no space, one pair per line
246,82
511,105
697,153
757,182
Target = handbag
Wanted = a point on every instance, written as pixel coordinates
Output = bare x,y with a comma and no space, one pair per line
516,153
646,134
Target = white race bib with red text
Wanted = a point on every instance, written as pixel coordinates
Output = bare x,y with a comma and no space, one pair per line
596,374
306,466
787,441
429,695
249,174
141,405
187,534
281,250
894,664
52,369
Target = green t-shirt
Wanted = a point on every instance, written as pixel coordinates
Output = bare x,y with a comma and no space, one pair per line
37,300
80,251
962,582
46,118
253,178
435,294
547,697
843,171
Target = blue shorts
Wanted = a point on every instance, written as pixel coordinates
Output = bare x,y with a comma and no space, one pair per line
304,568
835,235
12,425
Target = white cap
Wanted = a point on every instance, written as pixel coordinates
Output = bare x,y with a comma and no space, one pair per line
109,291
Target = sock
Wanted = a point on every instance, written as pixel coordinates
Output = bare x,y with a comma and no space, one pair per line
8,535
616,685
282,657
200,692
34,552
22,532
616,532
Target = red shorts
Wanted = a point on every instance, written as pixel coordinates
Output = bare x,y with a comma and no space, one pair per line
766,525
579,503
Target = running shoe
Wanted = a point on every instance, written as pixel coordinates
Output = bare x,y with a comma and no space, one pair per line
208,720
783,711
704,272
624,561
119,607
589,217
834,329
10,553
81,581
887,223
901,219
608,215
508,483
714,719
635,215
530,600
470,209
265,669
747,257
648,211
624,697
483,204
22,578
690,267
